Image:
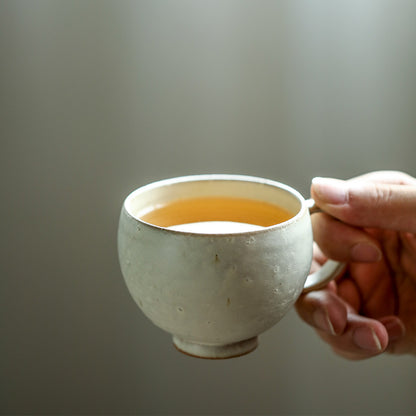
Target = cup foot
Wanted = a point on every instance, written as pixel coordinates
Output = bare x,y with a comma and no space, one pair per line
215,352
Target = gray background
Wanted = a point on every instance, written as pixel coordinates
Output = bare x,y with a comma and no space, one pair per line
100,97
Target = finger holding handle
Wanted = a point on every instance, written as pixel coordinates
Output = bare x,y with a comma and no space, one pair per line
368,204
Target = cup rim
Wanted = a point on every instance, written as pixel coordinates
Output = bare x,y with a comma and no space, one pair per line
216,177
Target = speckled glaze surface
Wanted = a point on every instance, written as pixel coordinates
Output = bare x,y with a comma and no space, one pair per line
215,293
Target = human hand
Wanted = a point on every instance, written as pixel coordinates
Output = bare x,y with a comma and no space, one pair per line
369,222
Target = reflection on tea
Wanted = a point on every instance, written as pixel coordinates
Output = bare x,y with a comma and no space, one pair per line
216,227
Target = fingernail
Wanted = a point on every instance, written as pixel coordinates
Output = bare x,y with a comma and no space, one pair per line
330,191
365,252
322,321
366,339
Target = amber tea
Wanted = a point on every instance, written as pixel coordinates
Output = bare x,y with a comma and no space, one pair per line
218,214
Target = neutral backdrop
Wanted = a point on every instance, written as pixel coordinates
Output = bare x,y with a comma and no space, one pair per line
99,97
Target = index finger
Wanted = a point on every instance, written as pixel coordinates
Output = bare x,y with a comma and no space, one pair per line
367,204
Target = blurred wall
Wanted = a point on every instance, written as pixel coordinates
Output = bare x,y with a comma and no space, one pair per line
99,97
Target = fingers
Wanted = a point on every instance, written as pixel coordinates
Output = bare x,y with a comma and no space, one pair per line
350,335
343,242
363,338
323,310
385,200
368,204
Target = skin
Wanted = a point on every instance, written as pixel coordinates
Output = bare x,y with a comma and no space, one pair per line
369,222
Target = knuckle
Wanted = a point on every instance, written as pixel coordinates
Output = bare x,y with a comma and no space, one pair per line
382,195
363,197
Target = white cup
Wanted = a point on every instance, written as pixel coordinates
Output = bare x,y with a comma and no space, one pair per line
215,293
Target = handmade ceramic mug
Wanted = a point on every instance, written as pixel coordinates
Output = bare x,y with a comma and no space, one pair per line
216,260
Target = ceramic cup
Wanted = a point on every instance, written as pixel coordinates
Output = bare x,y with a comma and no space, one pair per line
215,293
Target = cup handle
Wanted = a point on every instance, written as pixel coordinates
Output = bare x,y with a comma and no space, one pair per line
328,271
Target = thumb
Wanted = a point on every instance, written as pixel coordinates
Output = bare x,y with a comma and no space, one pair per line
367,204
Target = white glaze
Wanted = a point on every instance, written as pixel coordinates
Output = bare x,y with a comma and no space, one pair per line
215,293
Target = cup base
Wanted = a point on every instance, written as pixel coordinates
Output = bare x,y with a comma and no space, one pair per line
215,352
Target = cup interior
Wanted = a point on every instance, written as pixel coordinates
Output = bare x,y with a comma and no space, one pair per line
160,194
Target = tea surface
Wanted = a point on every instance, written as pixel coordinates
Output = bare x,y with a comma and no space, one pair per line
197,210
